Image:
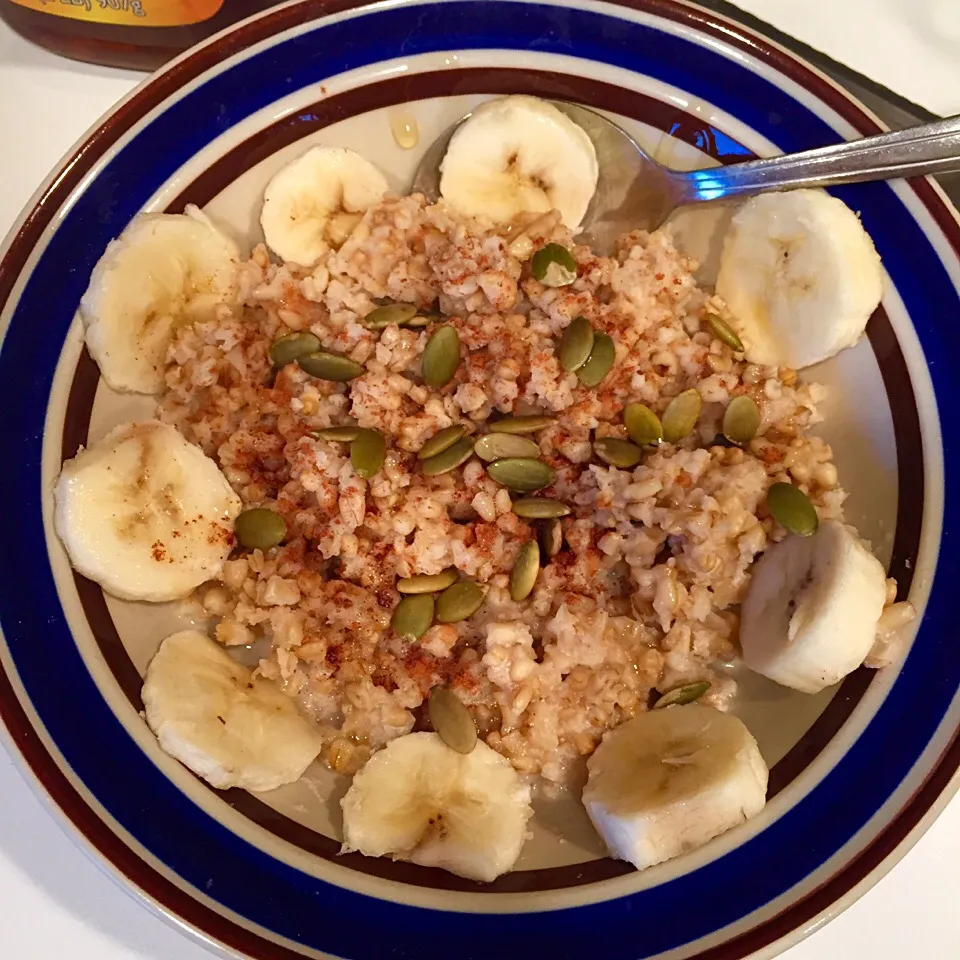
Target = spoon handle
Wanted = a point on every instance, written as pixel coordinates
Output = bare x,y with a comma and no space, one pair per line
915,151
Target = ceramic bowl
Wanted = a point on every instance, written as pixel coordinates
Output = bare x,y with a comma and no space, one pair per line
856,771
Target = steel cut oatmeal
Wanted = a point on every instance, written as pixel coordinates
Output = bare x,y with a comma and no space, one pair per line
654,560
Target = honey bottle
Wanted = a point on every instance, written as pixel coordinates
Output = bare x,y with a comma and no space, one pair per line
139,34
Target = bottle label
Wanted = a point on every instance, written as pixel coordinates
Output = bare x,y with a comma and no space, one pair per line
129,13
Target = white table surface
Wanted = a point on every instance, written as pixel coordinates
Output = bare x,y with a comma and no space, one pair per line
58,904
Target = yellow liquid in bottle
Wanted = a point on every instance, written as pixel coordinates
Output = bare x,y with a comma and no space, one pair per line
139,34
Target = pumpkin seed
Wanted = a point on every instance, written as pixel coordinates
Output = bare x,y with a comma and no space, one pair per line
618,453
420,320
337,434
459,601
550,536
539,508
367,453
741,419
496,446
527,424
259,528
523,474
792,509
600,361
451,720
441,357
642,424
723,331
413,615
398,313
685,693
576,344
449,459
291,347
441,441
681,415
554,266
428,583
325,365
525,571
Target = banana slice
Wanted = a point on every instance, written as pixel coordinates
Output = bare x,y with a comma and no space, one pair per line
145,513
519,155
315,201
419,800
216,719
667,781
800,276
163,271
810,615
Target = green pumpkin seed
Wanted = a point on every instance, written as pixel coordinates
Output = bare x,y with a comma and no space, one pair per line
554,266
600,361
459,601
419,321
413,615
449,459
441,441
618,453
428,583
367,453
520,425
723,331
539,508
741,419
523,577
550,536
685,693
291,347
792,509
642,424
325,365
496,446
681,415
522,474
576,344
441,357
392,313
259,528
337,434
451,720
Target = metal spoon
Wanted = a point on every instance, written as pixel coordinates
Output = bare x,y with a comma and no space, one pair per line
635,192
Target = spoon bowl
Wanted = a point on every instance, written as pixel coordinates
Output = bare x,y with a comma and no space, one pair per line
633,192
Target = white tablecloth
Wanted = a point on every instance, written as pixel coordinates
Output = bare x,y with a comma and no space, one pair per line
910,46
58,904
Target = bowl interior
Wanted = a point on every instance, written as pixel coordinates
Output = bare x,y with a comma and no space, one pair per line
857,423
